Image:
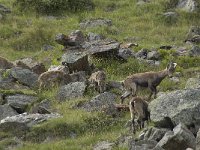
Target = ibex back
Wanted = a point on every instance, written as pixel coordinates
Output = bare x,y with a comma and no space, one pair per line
148,79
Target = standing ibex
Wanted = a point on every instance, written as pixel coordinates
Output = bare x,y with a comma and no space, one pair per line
147,79
139,106
98,79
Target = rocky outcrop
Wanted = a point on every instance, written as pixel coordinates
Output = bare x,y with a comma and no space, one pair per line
25,76
71,90
21,123
102,48
29,63
178,139
104,102
6,111
76,61
178,106
20,102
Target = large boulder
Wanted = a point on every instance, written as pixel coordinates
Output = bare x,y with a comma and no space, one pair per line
178,139
95,23
71,90
25,76
143,145
188,5
76,61
5,85
153,55
103,102
125,53
20,102
18,125
192,83
178,106
78,76
29,63
105,47
94,37
5,64
6,111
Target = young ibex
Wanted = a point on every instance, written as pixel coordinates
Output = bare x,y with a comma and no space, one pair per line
98,79
139,106
53,77
147,79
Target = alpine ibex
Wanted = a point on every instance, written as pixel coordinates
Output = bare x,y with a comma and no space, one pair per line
147,79
98,79
139,107
53,77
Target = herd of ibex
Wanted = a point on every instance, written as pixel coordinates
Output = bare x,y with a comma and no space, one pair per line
138,106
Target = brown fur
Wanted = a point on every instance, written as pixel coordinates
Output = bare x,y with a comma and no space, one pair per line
98,79
139,107
51,78
148,79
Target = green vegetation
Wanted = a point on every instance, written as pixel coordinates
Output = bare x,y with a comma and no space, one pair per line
35,23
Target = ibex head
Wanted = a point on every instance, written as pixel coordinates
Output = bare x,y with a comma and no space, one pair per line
171,67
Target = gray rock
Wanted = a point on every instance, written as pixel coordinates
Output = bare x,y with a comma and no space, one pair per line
175,79
103,102
187,5
181,51
71,90
104,145
102,48
20,102
1,16
178,139
123,141
44,107
198,140
125,53
192,83
28,120
29,63
6,111
195,51
176,106
25,76
155,134
153,55
76,61
7,85
95,23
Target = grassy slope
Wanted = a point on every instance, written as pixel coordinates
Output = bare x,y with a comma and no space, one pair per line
23,35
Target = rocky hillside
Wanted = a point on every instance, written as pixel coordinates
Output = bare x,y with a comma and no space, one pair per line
49,50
